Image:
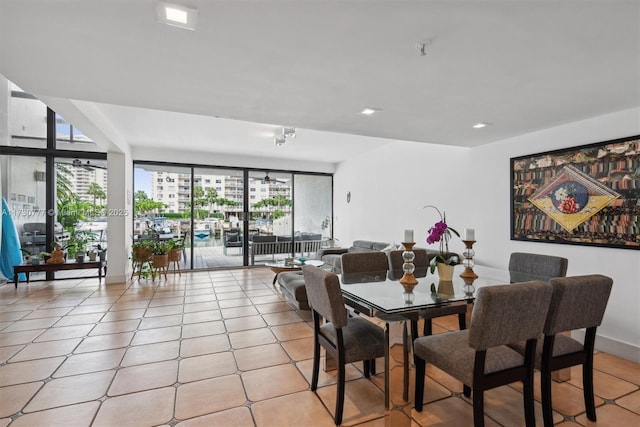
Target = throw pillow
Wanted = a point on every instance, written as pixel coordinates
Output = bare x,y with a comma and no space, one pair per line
389,248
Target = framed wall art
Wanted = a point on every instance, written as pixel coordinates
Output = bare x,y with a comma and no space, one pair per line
587,195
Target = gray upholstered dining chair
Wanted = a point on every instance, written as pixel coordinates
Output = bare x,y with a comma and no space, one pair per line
376,265
479,356
577,302
346,339
421,262
370,263
525,266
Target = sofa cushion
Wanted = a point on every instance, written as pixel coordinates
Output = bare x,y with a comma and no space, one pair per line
257,238
292,285
361,244
311,236
379,246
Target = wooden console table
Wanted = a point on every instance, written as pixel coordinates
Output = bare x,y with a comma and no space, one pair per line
29,268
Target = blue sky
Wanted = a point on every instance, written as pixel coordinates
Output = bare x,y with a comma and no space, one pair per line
142,180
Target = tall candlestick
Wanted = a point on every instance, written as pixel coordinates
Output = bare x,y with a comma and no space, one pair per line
469,234
408,236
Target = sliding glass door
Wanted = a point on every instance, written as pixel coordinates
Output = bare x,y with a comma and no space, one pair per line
232,217
313,211
219,232
162,206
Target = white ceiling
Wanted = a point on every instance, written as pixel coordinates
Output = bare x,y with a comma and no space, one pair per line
520,65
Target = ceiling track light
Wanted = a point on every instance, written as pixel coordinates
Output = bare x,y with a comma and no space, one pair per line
283,134
289,132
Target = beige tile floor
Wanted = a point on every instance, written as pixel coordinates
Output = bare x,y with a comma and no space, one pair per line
223,348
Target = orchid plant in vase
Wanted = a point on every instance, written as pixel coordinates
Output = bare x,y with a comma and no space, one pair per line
441,232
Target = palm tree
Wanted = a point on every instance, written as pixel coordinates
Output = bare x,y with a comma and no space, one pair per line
211,197
97,192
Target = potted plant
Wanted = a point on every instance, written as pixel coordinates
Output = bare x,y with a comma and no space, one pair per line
44,256
77,243
444,261
161,254
141,253
160,257
175,250
26,255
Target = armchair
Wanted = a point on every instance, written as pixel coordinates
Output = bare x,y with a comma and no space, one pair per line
231,239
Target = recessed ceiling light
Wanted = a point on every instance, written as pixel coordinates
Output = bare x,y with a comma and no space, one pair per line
480,125
177,15
369,111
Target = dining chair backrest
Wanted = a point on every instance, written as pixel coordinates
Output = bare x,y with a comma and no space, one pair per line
505,314
525,266
420,260
578,302
365,262
324,295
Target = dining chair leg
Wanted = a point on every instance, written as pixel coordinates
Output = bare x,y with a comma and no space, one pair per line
366,368
428,328
587,373
414,329
529,410
587,386
466,390
316,361
545,390
419,386
387,377
405,360
462,321
478,408
372,366
340,396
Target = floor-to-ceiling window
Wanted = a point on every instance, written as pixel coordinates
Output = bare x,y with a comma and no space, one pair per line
313,211
231,217
54,180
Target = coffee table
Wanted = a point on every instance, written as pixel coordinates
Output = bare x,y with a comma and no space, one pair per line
280,266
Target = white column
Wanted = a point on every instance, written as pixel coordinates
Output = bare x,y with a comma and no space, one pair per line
120,214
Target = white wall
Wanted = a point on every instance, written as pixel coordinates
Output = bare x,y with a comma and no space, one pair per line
4,127
390,185
229,160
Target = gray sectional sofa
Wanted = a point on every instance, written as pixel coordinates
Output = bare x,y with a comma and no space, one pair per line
333,256
292,282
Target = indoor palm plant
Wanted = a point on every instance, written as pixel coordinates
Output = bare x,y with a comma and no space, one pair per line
441,233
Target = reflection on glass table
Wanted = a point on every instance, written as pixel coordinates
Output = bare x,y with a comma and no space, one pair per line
293,265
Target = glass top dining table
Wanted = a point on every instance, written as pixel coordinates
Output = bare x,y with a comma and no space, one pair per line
376,293
381,295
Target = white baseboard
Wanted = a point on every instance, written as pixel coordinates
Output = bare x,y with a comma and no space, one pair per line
613,347
115,279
